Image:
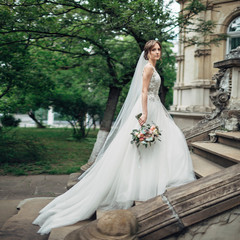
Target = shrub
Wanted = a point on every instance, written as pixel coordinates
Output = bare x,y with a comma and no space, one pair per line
15,148
9,121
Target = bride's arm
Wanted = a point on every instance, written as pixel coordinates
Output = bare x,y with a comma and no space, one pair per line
147,74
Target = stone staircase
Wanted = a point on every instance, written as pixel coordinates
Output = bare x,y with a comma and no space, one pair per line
208,158
211,157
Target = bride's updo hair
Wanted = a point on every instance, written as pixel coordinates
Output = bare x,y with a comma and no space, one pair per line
148,47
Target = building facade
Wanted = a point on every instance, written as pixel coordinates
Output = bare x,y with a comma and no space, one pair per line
195,63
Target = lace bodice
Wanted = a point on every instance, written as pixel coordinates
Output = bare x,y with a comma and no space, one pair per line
154,86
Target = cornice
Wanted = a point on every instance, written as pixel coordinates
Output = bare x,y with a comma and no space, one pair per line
222,1
206,84
227,63
213,1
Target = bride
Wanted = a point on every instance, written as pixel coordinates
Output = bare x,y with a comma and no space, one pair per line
123,172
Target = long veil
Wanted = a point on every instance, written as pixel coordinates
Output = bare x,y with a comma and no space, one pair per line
133,94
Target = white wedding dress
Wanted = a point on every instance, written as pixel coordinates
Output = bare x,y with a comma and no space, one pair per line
126,173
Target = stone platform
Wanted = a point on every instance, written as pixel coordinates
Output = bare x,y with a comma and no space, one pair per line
14,189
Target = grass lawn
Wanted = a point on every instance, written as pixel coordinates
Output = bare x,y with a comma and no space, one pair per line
59,154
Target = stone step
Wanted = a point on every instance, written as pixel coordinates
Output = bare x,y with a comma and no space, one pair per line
73,179
229,138
8,208
221,154
203,167
61,232
20,226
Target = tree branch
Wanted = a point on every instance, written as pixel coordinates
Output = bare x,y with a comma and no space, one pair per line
6,90
76,6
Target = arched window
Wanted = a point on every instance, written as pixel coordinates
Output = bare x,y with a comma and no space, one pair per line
233,33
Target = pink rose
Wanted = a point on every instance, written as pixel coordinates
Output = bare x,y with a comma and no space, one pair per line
152,128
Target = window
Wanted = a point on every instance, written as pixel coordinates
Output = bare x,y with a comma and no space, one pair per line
233,34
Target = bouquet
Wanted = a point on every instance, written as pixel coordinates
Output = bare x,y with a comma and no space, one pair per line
146,135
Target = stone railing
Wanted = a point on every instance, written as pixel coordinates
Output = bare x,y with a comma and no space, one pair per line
165,215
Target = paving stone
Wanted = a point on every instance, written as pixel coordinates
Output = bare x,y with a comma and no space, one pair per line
14,189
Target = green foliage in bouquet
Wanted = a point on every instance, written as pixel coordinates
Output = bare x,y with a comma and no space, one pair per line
146,135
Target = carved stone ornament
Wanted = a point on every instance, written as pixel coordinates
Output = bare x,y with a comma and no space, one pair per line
202,52
235,53
218,76
180,58
231,119
213,137
117,225
220,100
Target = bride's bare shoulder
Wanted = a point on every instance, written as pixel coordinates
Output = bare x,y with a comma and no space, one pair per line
148,69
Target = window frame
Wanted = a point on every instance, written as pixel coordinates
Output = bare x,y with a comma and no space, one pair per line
231,35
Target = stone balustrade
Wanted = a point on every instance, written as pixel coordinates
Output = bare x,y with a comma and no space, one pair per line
165,215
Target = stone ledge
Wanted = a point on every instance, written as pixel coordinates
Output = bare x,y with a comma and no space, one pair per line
187,114
20,226
73,179
228,63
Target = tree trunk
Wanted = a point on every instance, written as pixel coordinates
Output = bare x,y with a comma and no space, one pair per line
33,117
82,125
106,124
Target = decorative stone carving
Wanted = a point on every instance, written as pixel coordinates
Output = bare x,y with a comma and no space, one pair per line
235,53
213,137
231,120
227,81
202,52
221,97
201,130
220,100
117,225
180,58
227,112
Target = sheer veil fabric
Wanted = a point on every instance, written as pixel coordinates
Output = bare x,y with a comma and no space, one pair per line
122,172
131,99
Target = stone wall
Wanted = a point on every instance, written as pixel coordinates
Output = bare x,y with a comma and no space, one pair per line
225,226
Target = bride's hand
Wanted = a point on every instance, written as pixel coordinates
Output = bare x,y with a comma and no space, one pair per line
142,119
